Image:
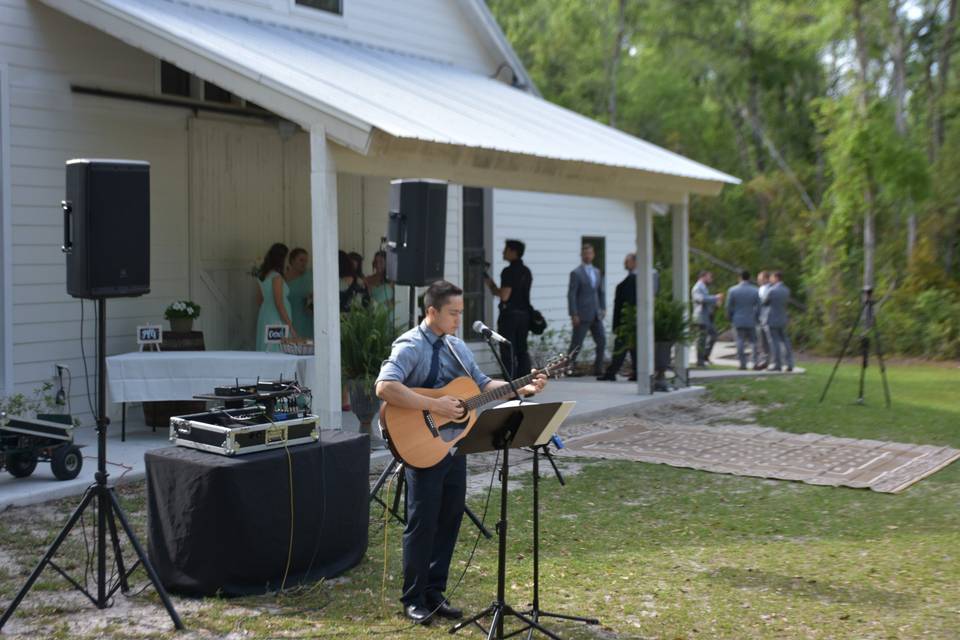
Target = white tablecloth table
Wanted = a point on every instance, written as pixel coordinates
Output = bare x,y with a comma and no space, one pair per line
180,375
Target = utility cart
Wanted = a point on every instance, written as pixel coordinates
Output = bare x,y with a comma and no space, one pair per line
49,437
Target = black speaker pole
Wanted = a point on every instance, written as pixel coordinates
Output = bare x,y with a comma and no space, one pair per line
107,506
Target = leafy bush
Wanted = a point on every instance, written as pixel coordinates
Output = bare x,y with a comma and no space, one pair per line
366,335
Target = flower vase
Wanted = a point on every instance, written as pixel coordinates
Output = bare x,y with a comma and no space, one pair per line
181,325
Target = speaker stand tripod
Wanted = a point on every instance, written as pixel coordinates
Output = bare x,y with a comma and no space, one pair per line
396,468
108,511
866,314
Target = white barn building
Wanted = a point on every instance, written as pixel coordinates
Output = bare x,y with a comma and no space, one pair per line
285,120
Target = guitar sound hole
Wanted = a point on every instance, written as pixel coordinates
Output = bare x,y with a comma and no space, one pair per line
451,430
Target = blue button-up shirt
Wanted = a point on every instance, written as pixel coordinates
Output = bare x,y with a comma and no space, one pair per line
409,361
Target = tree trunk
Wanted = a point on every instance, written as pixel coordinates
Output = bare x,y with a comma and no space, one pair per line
944,56
615,61
898,55
869,198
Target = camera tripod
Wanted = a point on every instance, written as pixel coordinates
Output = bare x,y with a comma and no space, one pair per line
866,314
103,497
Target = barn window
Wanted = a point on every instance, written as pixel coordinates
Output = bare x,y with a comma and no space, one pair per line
333,6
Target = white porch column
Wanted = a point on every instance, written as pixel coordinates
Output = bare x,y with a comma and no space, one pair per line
326,289
680,226
644,364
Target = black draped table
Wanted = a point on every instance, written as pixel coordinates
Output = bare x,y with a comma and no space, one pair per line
221,525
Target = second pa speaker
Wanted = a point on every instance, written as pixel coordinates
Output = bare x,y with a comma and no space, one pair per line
416,232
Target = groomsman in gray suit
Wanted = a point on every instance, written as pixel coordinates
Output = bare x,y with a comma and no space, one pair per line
775,303
704,305
586,302
743,307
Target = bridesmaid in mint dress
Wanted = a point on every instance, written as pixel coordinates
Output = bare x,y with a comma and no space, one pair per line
300,281
272,295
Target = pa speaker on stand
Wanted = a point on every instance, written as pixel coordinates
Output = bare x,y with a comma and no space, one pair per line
416,235
106,239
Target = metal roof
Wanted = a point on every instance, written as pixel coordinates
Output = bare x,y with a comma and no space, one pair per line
405,96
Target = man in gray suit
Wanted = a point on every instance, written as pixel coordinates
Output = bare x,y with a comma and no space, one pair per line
704,305
775,305
586,302
743,306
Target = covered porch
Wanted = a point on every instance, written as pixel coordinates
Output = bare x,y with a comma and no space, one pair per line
360,116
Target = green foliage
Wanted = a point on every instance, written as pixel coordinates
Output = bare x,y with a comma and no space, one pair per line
366,335
20,404
670,323
771,91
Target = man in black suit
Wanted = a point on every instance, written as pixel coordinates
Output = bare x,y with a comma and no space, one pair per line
626,293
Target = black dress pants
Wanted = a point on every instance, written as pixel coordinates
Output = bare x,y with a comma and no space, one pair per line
435,500
514,326
620,352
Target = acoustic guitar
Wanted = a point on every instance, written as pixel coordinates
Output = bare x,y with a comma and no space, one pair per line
421,439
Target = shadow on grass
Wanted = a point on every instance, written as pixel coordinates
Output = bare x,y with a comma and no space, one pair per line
757,579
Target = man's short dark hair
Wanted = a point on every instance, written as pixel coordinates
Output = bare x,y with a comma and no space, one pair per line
516,246
439,293
587,245
744,275
778,275
702,273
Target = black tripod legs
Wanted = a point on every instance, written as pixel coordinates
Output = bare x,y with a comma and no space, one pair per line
396,467
47,558
142,557
109,507
500,611
843,352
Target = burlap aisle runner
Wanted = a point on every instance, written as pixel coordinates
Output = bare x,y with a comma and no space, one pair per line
887,467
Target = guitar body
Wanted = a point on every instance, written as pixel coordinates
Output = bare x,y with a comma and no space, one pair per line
418,437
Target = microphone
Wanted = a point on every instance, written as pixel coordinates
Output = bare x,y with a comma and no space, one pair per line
489,333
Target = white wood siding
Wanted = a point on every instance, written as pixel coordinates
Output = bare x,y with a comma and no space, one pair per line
437,29
552,227
44,52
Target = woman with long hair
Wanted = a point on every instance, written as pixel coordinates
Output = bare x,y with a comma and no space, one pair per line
272,296
382,291
300,282
351,283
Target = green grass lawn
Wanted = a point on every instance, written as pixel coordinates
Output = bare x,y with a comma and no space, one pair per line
660,552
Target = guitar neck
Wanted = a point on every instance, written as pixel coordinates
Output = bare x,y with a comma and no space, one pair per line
495,394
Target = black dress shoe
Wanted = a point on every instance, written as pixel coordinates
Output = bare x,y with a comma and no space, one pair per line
446,610
607,378
632,378
420,615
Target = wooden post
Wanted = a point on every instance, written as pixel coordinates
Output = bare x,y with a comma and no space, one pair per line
680,226
644,363
326,285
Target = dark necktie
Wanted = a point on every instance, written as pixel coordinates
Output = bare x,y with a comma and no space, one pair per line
434,365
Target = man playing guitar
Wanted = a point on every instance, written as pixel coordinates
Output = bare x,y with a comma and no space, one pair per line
429,356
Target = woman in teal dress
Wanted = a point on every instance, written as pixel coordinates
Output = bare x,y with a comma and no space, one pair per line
272,296
300,282
381,290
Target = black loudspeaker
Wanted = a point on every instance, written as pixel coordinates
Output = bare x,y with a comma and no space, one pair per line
106,228
416,232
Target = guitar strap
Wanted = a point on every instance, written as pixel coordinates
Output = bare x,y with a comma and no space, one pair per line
457,357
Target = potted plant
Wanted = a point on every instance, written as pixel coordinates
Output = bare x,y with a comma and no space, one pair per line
670,326
367,333
181,314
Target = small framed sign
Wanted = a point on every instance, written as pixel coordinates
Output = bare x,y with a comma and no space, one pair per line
274,333
150,335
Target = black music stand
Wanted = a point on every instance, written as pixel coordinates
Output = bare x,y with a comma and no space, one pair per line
502,429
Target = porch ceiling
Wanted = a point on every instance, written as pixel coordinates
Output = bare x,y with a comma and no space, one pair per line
400,115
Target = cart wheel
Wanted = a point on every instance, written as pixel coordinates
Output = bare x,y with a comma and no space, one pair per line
66,462
21,464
